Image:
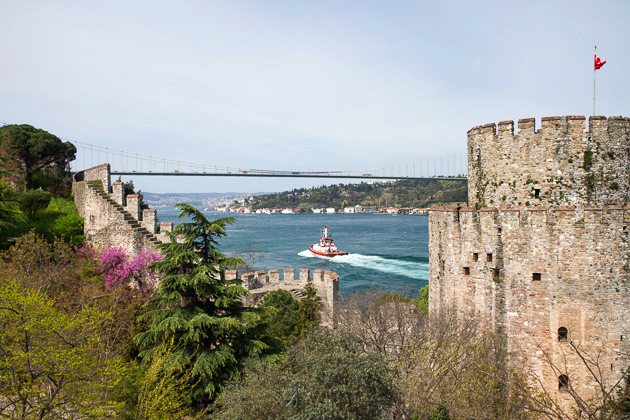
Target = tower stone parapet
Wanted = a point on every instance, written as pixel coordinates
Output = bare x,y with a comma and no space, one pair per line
541,252
562,163
326,284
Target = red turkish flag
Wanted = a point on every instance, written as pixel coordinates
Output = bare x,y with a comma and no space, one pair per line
598,63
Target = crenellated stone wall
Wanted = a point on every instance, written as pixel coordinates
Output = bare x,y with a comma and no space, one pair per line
112,220
532,263
326,284
561,163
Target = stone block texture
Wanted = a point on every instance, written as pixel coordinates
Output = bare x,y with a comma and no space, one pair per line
326,284
106,223
534,263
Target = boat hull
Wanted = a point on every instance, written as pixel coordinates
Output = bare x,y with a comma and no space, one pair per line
326,253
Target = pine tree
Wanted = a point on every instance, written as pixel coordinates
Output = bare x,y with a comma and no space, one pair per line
198,309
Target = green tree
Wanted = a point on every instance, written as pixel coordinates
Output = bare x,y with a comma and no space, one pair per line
8,206
52,365
310,307
280,318
196,307
157,391
34,150
34,201
423,304
326,376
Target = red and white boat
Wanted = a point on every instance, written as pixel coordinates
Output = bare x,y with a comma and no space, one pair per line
326,247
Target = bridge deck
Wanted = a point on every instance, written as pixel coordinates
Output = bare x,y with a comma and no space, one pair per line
290,175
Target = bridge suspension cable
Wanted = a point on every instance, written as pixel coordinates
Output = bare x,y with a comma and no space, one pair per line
123,162
88,155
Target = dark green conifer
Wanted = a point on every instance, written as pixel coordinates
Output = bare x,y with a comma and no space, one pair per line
198,310
310,307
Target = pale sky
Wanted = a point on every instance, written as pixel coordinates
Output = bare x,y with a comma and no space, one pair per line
296,85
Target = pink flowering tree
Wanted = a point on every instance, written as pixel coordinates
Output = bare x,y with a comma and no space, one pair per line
122,269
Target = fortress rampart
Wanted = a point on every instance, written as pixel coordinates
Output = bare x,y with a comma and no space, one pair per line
545,268
326,284
561,163
111,219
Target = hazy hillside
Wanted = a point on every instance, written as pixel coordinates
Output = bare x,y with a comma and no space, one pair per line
408,193
195,199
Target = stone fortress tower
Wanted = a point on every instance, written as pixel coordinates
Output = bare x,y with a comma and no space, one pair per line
541,250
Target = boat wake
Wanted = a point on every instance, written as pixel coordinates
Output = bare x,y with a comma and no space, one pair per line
412,269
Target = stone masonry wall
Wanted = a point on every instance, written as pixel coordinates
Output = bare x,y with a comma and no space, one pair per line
559,164
326,284
530,270
106,222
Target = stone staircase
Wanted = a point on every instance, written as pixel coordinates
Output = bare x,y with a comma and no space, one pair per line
134,225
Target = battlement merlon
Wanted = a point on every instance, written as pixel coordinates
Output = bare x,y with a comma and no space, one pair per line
561,163
99,173
574,123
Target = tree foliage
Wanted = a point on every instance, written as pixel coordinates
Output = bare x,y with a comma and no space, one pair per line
326,376
197,308
162,391
453,367
8,206
52,365
406,193
33,202
310,309
69,277
280,318
33,150
120,269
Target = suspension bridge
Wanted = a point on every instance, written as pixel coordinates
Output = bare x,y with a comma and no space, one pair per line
452,166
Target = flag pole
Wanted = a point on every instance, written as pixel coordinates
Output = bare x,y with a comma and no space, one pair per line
594,70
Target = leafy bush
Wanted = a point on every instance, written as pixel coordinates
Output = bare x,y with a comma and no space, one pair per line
59,359
47,224
8,206
121,269
69,225
324,377
280,320
34,201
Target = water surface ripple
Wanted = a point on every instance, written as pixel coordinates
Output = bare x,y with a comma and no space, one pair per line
386,252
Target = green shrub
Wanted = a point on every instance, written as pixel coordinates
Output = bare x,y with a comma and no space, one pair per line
34,201
47,224
326,376
69,225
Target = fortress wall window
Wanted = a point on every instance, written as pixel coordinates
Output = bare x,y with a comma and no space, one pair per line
467,271
563,382
475,256
489,257
621,338
536,192
537,276
563,334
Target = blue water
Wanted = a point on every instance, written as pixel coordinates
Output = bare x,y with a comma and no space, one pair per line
386,252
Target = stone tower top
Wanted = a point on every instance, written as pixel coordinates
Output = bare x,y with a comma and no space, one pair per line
561,163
